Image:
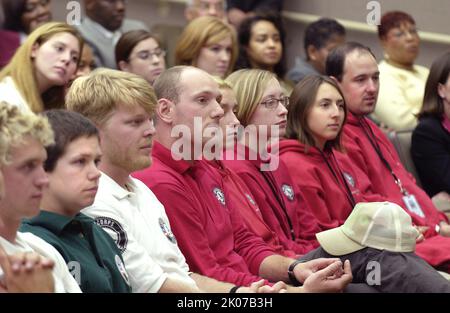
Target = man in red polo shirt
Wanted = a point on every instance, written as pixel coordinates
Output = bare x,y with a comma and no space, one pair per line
210,233
355,69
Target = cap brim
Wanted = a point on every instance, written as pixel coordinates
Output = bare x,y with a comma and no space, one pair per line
335,242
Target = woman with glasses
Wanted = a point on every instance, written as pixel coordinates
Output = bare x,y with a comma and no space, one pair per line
139,52
209,44
402,82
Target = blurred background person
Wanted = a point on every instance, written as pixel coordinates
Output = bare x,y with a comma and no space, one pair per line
261,46
209,44
21,17
430,145
238,10
321,37
140,52
197,8
401,81
102,27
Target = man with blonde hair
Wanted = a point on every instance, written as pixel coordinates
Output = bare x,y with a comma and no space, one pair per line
23,137
122,106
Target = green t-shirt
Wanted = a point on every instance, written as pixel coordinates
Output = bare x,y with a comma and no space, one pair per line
91,255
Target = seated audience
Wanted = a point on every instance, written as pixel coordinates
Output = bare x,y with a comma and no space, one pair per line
102,27
71,167
253,112
402,81
209,44
321,37
430,143
38,74
121,105
354,68
139,52
209,230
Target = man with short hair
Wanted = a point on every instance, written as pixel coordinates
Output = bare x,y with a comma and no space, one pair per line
210,232
355,69
321,37
102,27
24,180
122,106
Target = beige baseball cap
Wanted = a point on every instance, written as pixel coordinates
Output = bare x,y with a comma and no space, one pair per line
379,225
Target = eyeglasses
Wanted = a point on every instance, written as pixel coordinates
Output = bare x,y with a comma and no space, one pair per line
32,6
272,103
148,55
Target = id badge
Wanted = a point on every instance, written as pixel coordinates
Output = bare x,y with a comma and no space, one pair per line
412,205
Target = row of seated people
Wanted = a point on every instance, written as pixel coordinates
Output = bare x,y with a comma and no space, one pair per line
203,209
259,43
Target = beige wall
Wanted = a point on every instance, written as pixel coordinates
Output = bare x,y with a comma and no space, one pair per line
430,15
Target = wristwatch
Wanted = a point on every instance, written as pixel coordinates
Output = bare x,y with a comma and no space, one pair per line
292,278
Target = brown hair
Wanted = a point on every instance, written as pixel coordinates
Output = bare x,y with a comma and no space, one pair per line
301,101
432,102
128,41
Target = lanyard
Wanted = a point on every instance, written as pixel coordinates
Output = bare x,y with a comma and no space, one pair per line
348,192
372,139
267,176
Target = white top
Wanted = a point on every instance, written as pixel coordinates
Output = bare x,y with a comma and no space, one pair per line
138,223
10,94
401,95
27,242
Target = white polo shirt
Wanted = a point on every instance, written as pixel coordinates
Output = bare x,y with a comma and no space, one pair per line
27,242
138,223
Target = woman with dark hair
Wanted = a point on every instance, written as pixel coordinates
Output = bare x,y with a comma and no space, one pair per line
261,42
21,17
430,147
139,52
24,16
331,185
401,81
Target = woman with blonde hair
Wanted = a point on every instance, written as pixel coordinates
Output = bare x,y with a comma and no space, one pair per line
209,44
36,76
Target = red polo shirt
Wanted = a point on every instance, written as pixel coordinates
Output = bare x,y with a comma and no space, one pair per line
210,233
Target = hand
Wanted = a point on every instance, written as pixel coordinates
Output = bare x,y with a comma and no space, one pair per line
26,272
333,278
260,287
445,229
303,270
422,230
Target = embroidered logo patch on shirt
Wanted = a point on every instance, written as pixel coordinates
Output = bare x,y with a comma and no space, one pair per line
119,234
122,270
219,195
288,191
167,231
349,179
